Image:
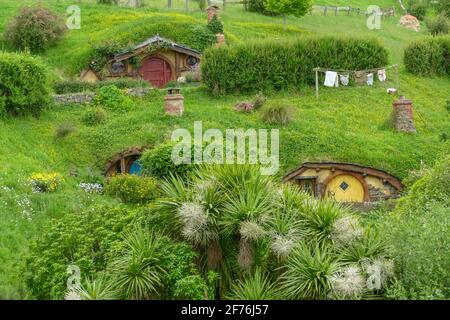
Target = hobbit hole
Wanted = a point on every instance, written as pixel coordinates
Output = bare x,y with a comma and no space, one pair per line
156,60
125,162
345,182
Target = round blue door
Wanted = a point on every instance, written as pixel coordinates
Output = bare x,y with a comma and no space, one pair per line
136,168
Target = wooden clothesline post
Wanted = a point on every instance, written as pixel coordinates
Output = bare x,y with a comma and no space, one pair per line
317,82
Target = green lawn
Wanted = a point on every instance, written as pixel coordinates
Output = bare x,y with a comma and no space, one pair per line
345,124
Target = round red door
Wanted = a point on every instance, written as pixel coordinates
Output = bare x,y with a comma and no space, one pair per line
156,71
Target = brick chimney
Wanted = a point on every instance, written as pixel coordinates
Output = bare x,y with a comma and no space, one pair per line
212,11
174,103
403,115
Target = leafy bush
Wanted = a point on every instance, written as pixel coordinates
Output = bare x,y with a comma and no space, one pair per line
417,8
35,28
417,233
23,84
277,114
82,238
439,25
269,65
94,116
112,98
258,6
202,37
45,182
132,188
296,8
190,288
428,56
215,25
443,7
64,129
157,162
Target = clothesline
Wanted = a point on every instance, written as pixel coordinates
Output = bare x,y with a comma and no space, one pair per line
343,72
349,71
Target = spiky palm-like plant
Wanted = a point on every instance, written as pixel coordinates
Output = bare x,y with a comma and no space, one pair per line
248,203
256,286
309,271
319,217
137,271
101,288
175,192
368,247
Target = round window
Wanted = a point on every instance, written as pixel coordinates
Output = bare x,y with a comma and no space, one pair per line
192,61
118,67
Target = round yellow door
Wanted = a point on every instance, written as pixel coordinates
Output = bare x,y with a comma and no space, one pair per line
345,188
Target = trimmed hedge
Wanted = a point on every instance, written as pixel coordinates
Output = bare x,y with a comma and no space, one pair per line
429,56
275,65
23,84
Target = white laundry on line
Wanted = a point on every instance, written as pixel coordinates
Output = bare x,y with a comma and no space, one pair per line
370,79
331,79
382,75
345,78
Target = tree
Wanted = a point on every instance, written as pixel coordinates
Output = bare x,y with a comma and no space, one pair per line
296,8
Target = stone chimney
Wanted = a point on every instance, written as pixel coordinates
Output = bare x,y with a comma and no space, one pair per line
212,11
403,115
174,103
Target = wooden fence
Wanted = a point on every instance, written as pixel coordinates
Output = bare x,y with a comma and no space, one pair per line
325,10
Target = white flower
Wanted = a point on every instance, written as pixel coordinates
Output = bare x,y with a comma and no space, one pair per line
282,245
379,271
91,187
194,221
251,230
346,229
348,283
202,187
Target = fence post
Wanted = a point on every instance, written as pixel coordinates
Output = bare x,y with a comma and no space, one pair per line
187,5
317,83
325,11
169,4
224,5
396,78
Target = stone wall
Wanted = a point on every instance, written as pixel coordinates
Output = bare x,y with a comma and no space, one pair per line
87,97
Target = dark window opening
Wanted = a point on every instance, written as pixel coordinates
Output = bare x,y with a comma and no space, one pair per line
308,185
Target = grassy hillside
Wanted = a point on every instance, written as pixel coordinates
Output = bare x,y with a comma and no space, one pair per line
102,22
346,124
